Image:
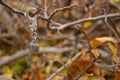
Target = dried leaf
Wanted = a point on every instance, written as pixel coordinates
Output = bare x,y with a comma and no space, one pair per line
117,76
49,67
58,78
100,41
114,49
114,1
89,77
53,1
37,72
95,53
86,57
77,66
83,51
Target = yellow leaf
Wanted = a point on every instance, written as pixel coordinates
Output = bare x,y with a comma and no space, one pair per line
99,41
58,78
104,39
53,1
48,68
6,70
114,1
89,77
114,49
87,25
41,43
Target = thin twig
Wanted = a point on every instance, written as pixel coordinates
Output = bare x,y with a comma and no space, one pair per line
11,8
110,27
61,9
57,10
85,35
20,12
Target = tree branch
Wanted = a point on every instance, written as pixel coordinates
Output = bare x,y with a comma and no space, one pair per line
84,20
25,52
61,9
11,8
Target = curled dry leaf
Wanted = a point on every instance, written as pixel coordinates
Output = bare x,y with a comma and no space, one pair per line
111,44
100,41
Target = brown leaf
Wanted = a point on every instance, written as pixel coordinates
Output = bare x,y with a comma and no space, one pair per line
95,53
77,66
37,72
117,76
86,57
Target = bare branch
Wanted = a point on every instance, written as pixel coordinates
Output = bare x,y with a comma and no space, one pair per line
110,25
84,20
61,9
11,8
20,12
25,52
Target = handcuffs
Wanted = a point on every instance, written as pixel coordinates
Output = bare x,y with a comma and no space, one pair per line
34,46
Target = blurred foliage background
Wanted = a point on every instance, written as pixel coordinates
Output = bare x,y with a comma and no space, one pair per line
15,36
